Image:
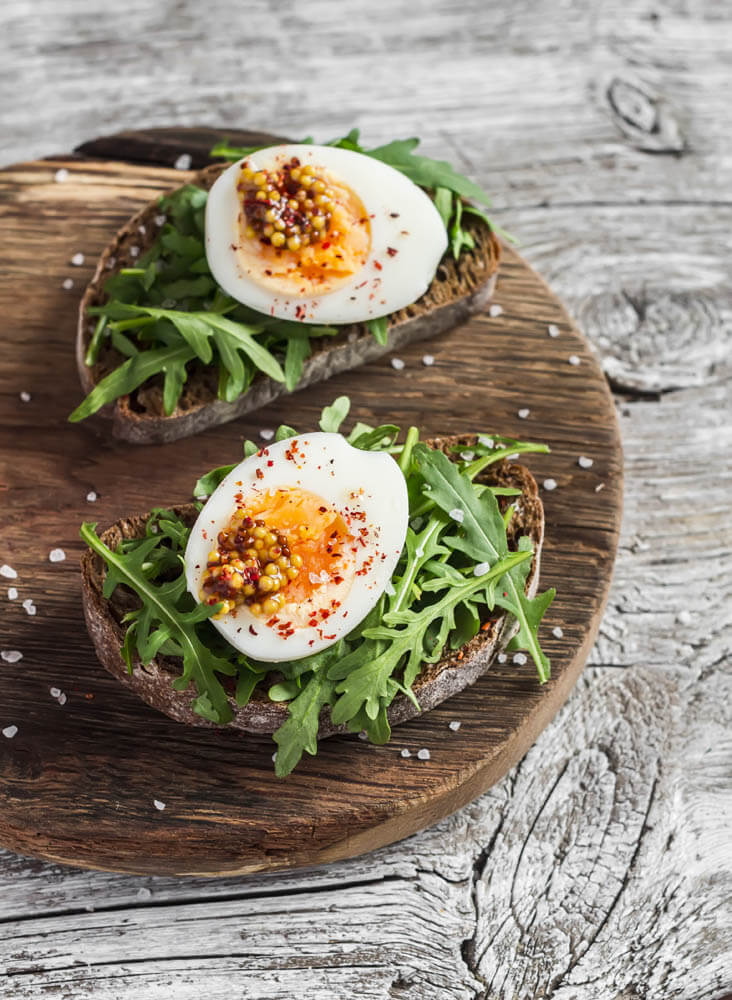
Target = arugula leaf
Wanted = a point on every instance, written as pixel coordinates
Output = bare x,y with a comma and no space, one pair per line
334,415
207,484
380,329
298,349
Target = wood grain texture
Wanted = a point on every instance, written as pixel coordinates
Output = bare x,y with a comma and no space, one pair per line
352,797
532,99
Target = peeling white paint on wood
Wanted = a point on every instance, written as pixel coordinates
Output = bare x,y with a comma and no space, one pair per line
601,866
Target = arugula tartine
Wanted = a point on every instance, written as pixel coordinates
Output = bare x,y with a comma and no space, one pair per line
463,559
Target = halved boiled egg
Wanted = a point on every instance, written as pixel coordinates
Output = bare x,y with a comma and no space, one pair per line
321,235
297,544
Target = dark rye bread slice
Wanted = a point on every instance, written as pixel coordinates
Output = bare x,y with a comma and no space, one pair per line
438,681
460,288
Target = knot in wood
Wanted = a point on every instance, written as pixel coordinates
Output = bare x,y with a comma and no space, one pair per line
643,117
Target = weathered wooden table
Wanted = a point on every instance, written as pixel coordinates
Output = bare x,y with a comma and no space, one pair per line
601,866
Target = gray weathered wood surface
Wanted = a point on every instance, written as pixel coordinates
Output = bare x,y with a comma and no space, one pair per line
600,867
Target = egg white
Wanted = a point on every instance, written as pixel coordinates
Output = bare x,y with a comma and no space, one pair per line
343,476
402,218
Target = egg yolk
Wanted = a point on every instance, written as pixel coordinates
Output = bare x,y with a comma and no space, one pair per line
280,547
302,231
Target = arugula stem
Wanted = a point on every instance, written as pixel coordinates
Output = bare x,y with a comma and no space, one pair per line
92,351
406,456
472,469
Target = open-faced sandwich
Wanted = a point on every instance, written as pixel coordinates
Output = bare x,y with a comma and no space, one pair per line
290,264
329,584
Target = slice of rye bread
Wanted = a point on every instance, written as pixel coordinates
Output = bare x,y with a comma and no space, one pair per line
455,671
459,289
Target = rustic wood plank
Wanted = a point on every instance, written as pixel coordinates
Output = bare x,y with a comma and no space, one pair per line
521,95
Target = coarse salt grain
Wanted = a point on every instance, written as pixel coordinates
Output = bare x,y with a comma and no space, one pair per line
274,756
419,551
424,754
8,572
573,360
266,434
12,593
11,655
523,414
457,515
495,310
549,484
111,261
62,699
144,893
557,632
141,230
397,364
406,753
134,251
158,805
684,618
159,220
600,486
519,659
10,731
486,442
61,175
467,456
454,725
183,162
428,360
363,735
68,284
55,692
502,657
584,462
56,555
91,496
553,330
481,568
78,259
29,607
25,397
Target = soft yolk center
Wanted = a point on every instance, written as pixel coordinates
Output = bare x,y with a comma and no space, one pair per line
303,232
279,547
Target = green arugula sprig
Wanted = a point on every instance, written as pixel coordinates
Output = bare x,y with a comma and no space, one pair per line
456,568
452,191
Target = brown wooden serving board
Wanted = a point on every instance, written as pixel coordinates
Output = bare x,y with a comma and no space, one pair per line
78,781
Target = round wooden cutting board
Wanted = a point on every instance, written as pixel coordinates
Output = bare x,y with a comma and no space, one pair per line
95,777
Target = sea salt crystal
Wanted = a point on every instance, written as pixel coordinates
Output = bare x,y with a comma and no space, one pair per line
519,659
160,220
495,310
11,655
502,657
67,284
158,805
397,364
141,230
684,618
25,397
406,753
457,515
78,259
56,555
363,735
573,360
600,486
523,414
487,442
267,434
419,551
183,162
467,456
584,462
61,175
550,484
9,732
274,757
481,568
553,330
62,699
144,893
111,261
512,458
12,593
29,607
8,572
557,632
55,692
314,578
134,251
454,725
428,360
424,754
91,496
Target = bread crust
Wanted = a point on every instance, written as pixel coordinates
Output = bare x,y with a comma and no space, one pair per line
456,670
459,289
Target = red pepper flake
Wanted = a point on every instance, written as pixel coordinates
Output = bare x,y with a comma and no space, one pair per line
394,215
391,251
378,265
322,509
337,579
252,630
270,463
234,246
329,636
259,474
362,285
269,273
486,627
461,654
273,621
325,244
